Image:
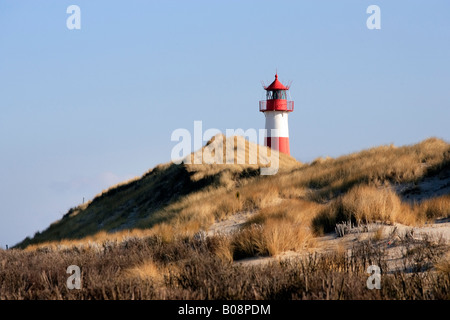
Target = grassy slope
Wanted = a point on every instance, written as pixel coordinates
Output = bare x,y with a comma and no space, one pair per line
186,198
164,195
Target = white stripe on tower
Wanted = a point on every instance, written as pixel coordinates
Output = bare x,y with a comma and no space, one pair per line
280,139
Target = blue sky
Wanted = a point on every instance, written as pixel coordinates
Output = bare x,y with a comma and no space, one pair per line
84,109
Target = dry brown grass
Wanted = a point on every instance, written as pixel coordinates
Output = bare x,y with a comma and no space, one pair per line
411,216
167,257
378,234
435,208
95,240
366,204
178,201
374,166
146,271
278,228
242,153
281,236
228,205
190,269
222,247
443,264
249,242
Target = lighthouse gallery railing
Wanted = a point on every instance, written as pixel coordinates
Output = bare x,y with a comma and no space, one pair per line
276,105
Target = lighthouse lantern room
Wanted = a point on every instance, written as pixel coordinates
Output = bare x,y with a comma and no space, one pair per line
276,108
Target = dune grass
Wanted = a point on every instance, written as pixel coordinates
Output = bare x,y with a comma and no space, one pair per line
300,202
146,268
146,238
438,207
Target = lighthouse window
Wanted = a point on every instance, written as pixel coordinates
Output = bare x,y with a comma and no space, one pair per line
276,94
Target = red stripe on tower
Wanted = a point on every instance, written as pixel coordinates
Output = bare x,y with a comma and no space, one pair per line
276,109
281,144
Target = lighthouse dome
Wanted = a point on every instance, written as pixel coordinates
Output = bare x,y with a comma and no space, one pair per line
276,85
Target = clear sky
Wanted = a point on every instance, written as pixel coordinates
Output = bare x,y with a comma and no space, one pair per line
84,109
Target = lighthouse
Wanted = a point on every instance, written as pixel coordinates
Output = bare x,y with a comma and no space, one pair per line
276,108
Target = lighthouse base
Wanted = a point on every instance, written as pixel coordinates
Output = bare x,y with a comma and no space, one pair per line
278,143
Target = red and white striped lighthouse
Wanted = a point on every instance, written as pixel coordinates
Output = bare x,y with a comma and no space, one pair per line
276,108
